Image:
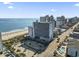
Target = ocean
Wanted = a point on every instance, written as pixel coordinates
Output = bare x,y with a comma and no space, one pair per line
8,24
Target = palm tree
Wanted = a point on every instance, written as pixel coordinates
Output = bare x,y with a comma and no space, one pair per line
18,50
22,54
1,52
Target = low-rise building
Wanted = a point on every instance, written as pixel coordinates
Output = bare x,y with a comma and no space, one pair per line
73,48
62,50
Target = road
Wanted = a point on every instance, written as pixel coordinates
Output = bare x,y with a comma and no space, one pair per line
53,45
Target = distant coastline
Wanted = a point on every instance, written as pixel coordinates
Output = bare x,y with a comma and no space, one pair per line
8,24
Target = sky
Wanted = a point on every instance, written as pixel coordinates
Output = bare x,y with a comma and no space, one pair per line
37,9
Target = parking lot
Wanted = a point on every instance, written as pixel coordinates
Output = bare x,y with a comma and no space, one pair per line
6,53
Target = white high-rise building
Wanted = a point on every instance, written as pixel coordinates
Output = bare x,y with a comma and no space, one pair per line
46,18
61,21
73,20
43,29
30,31
42,19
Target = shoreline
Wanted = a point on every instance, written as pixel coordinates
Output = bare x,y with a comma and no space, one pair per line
14,30
14,33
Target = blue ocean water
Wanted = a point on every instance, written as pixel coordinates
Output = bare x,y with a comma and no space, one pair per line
13,23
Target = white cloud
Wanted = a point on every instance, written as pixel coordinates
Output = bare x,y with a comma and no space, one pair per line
10,7
7,2
77,4
53,10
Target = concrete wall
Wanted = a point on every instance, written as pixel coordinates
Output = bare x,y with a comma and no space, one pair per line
14,33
